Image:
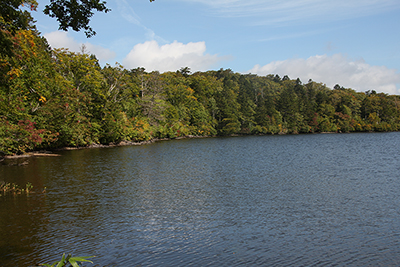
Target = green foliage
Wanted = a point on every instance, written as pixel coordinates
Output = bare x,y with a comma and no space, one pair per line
22,137
75,14
69,14
68,261
12,19
57,98
11,188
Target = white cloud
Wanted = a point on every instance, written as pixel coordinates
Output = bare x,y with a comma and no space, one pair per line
60,39
336,69
170,57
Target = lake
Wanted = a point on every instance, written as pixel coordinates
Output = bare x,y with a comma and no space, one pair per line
290,200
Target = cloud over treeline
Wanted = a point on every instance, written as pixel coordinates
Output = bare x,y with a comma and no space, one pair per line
335,69
59,39
170,57
330,70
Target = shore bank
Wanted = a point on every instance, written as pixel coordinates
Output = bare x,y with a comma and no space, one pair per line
52,152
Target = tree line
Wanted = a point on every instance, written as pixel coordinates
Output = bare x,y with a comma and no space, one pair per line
52,98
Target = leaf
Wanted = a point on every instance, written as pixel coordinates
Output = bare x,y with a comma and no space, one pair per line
61,263
82,259
73,263
48,265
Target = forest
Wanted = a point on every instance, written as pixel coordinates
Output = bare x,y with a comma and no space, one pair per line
54,98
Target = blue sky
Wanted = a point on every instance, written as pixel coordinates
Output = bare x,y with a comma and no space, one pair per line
354,43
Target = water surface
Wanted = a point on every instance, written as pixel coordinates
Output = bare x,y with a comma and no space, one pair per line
296,200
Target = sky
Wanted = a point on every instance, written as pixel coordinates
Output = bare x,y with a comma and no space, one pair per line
353,43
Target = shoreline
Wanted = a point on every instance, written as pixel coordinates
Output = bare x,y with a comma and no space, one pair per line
49,152
131,143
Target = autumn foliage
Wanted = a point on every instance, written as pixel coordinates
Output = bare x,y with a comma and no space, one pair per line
57,98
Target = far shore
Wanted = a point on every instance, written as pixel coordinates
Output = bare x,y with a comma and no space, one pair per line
52,152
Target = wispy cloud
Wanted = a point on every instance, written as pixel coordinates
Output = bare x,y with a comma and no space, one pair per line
171,57
289,36
129,15
278,11
336,69
127,12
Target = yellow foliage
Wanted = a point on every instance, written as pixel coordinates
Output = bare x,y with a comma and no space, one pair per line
14,72
190,90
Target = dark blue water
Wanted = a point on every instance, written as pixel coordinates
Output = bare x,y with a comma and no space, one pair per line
299,200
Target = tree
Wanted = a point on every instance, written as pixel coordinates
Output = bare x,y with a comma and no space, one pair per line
228,107
75,14
246,102
12,19
185,71
26,79
152,99
277,79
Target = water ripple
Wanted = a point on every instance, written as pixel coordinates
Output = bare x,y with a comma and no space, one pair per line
306,200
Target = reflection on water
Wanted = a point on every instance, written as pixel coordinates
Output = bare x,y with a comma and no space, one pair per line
258,200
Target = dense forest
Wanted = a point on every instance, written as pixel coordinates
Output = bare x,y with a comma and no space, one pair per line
52,98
